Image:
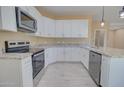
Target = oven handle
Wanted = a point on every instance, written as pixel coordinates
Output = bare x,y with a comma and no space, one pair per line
34,55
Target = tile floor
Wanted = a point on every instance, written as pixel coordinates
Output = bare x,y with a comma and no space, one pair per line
66,74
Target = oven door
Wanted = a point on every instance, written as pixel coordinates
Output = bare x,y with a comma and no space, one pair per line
38,62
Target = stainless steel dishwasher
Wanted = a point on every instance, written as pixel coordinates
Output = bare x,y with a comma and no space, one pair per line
95,66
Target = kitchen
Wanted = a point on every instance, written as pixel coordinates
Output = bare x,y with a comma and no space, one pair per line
61,38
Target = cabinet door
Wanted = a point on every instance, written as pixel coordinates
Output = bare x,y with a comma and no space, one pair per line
50,56
60,54
67,28
76,54
10,73
105,71
76,28
45,25
51,28
85,57
27,77
33,11
8,18
59,28
41,26
84,28
68,54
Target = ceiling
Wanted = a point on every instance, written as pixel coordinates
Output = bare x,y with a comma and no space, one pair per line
111,12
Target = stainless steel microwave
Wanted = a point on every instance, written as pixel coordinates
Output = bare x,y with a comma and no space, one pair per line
25,22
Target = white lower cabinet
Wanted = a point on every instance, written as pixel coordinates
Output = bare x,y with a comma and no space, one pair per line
27,72
50,56
60,54
112,69
16,72
67,54
85,57
75,54
105,68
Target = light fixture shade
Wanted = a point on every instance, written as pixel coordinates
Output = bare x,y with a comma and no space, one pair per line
102,24
102,21
121,13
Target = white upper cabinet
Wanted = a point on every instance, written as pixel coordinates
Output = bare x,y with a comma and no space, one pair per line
45,21
59,27
51,27
8,18
48,27
76,28
80,28
72,28
67,28
84,28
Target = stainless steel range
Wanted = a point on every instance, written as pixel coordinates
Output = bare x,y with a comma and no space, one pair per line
23,47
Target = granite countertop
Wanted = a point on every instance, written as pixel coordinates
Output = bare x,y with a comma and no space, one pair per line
14,55
20,55
114,52
110,52
35,49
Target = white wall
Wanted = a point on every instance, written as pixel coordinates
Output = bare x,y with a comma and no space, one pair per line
119,39
111,39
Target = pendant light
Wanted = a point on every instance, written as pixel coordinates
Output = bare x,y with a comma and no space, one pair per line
121,13
102,22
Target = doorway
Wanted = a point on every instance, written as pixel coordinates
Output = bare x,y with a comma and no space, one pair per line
100,38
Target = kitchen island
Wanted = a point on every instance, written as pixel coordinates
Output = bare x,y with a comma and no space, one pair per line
16,70
112,67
